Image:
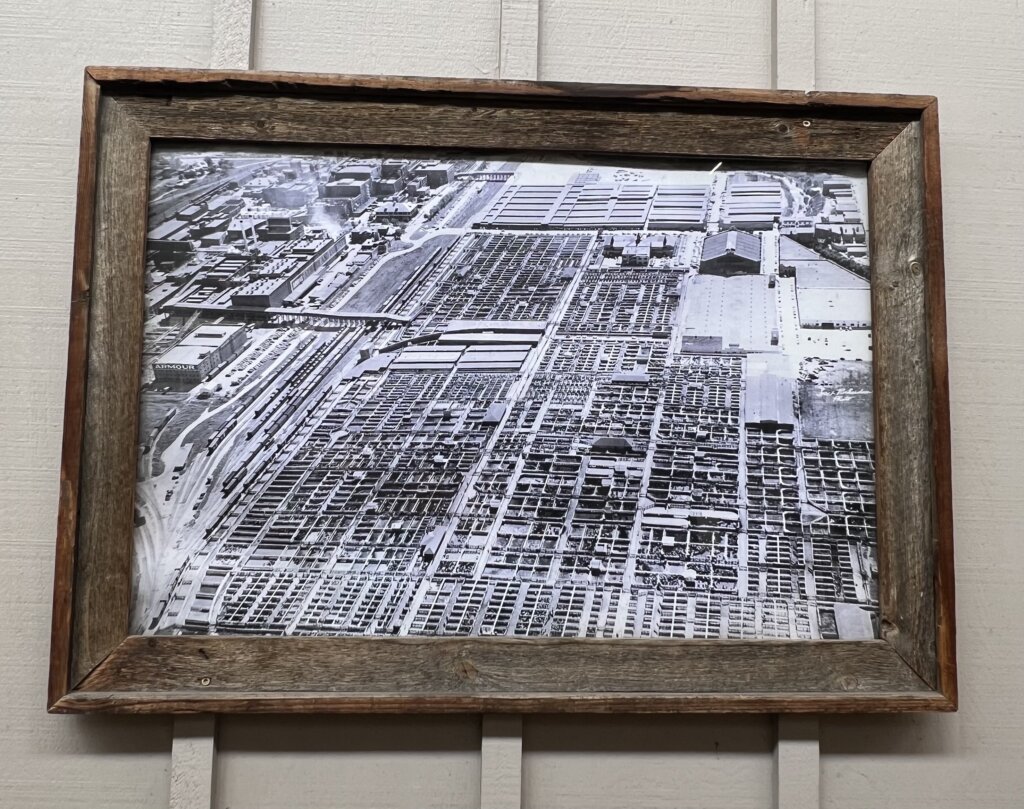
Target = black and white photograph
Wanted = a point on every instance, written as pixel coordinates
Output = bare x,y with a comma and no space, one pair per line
396,394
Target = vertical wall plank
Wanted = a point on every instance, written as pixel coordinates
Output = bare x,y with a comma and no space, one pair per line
501,761
713,43
379,37
232,34
793,44
797,770
193,752
520,25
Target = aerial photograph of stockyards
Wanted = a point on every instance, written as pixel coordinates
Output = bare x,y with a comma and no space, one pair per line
405,395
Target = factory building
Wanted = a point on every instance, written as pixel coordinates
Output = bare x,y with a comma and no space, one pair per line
731,252
290,195
385,187
828,296
361,172
846,238
394,169
752,205
768,400
679,207
589,205
844,201
170,242
636,255
203,351
251,281
279,227
354,191
834,308
523,206
730,314
437,174
262,294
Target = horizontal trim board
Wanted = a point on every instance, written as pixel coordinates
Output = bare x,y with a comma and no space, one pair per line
676,133
170,80
476,666
312,702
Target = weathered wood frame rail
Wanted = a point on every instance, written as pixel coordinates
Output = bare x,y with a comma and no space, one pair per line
96,665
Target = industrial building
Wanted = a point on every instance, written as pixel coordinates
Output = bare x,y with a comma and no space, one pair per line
295,194
262,293
199,354
752,204
354,191
359,172
588,205
828,296
731,252
436,174
834,307
769,400
729,314
679,207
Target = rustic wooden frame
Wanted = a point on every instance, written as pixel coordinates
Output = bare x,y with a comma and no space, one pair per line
95,665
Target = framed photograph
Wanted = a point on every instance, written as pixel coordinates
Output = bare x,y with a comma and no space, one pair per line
417,395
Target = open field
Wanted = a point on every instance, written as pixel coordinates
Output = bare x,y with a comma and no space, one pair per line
836,400
391,273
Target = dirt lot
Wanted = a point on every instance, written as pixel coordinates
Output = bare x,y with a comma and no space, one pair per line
391,274
836,400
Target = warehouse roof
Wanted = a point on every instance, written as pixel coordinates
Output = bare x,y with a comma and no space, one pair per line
769,400
818,305
740,312
732,242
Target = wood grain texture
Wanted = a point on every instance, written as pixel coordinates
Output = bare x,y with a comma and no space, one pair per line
459,674
177,80
472,666
942,472
323,702
545,125
106,486
903,432
74,397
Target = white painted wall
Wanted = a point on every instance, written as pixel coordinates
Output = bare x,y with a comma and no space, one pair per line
969,54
